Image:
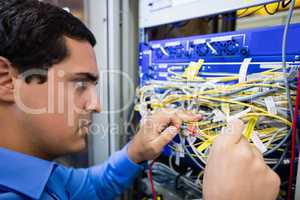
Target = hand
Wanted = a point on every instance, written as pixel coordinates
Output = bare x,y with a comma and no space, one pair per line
157,131
236,170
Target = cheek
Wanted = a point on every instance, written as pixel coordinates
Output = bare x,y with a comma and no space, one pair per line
45,116
55,124
51,129
51,132
76,112
76,100
32,99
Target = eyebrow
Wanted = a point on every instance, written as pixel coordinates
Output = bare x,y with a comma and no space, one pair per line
86,76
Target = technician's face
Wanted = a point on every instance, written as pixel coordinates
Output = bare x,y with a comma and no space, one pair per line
56,114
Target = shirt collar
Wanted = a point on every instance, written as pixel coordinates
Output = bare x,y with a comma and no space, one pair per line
25,174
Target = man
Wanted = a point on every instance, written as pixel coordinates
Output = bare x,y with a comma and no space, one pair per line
48,75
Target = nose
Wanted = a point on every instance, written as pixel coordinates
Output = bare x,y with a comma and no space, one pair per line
98,106
94,103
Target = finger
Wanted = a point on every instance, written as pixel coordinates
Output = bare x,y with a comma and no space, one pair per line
167,116
179,116
164,119
175,117
234,131
175,120
187,116
165,137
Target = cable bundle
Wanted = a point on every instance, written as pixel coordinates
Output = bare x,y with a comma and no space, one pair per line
261,102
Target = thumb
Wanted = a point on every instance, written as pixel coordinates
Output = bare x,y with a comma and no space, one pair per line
234,131
165,137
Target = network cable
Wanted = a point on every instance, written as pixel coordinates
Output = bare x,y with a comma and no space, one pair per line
219,102
286,26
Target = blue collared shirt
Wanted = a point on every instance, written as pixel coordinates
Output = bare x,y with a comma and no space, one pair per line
26,177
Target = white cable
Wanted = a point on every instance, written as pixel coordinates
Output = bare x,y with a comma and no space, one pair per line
284,37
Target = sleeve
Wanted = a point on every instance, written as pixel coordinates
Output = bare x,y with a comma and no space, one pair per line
106,181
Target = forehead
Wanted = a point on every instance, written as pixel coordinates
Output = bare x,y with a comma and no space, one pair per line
81,58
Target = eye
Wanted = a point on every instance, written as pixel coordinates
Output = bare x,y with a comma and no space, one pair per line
81,85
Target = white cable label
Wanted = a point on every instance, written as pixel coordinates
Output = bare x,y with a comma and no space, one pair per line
255,76
244,69
179,153
192,139
171,44
163,50
179,150
213,50
239,115
219,116
156,46
177,159
258,143
271,106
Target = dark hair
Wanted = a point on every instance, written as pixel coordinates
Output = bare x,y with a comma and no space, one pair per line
32,33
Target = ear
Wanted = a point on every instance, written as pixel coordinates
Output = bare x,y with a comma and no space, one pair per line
7,78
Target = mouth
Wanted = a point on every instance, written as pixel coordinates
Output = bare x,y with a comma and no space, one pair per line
84,131
84,128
